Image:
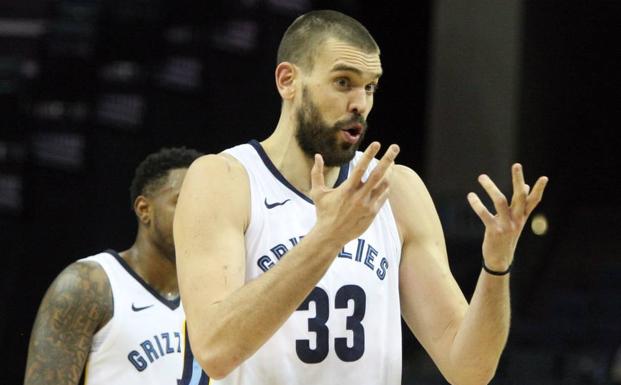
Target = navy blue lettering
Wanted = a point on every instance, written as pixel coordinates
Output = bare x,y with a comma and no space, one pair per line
159,346
265,263
371,254
344,254
293,241
178,337
149,350
316,325
154,348
354,322
364,253
279,250
169,348
381,272
136,359
359,250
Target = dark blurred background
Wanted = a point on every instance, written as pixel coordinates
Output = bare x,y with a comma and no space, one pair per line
89,87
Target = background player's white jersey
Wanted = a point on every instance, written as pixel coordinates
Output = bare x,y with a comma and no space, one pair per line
348,330
143,342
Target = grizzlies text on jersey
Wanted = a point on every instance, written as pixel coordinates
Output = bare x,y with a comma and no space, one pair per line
348,330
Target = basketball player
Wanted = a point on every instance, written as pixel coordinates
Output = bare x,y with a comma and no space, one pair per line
297,266
116,318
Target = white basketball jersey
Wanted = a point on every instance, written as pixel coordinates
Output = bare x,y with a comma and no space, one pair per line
143,342
348,330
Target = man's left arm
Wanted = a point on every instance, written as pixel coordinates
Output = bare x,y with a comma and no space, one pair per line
464,340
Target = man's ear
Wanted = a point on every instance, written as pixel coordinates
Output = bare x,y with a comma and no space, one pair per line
286,75
142,209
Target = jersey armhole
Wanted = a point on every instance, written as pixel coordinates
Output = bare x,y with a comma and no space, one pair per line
105,335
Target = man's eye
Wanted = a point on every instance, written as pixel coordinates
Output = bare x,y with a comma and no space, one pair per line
371,88
342,82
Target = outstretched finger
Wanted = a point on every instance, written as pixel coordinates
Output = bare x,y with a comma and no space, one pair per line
480,209
498,198
317,179
535,196
518,201
363,164
383,167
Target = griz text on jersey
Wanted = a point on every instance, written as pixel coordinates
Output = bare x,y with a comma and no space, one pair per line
155,348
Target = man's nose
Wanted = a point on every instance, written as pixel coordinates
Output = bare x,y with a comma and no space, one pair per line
358,102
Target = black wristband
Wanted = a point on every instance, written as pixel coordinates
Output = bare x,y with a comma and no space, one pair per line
493,272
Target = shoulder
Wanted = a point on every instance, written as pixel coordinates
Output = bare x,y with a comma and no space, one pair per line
213,175
215,185
411,202
405,183
77,305
84,287
217,163
215,170
82,273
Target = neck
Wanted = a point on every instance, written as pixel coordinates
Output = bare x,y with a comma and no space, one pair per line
156,269
284,151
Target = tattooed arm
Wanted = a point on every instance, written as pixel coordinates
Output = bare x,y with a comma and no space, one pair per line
75,307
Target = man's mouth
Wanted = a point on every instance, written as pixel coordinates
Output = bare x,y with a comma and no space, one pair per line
352,133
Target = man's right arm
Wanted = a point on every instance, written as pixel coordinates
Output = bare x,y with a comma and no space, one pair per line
76,305
228,320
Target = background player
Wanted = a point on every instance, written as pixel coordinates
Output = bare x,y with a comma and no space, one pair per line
116,318
301,257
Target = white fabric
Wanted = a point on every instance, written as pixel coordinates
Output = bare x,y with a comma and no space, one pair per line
364,277
143,342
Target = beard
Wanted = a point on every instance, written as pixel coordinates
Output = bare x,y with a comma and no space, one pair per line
314,136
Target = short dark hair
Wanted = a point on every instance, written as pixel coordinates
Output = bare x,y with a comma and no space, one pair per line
301,40
151,172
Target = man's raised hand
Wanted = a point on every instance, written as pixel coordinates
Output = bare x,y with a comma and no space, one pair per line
348,210
503,229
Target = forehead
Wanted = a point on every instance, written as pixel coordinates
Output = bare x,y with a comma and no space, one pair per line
335,55
173,180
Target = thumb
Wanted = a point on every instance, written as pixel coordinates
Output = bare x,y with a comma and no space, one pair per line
317,180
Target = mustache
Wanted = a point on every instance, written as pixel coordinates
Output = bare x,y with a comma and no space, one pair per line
356,119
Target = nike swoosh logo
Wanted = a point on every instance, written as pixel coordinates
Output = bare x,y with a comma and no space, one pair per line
134,308
272,205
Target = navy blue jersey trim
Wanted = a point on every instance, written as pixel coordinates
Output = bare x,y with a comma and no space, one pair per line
171,304
83,375
344,171
189,376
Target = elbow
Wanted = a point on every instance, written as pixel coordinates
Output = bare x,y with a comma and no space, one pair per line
216,349
217,365
479,376
474,369
483,378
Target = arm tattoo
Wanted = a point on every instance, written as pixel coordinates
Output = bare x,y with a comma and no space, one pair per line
77,304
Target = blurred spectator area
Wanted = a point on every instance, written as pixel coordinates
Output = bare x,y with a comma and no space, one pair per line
89,87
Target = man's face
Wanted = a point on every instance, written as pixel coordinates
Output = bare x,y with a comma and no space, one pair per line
314,135
164,202
336,98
